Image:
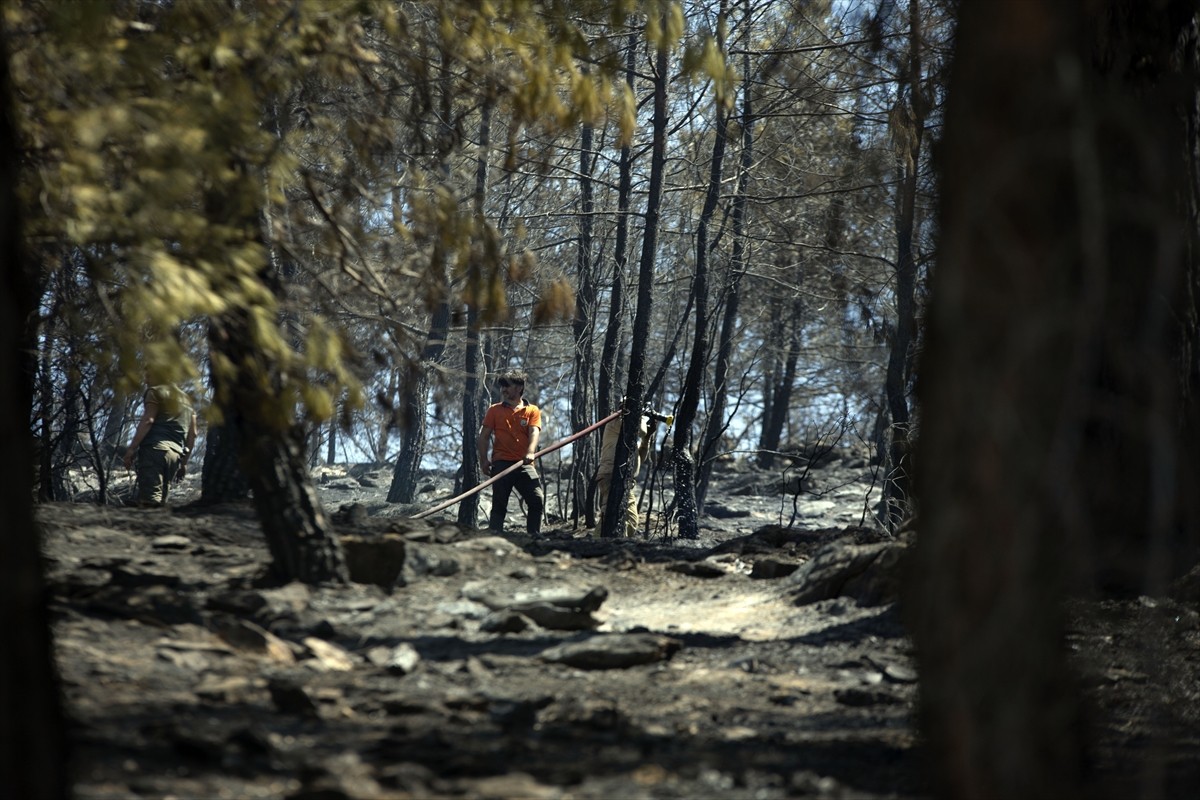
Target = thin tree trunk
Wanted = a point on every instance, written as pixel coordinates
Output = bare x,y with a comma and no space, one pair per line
472,402
689,403
413,407
910,131
114,427
47,438
416,386
622,478
715,427
582,400
609,377
782,384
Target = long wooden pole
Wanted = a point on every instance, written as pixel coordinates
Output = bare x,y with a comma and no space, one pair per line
537,455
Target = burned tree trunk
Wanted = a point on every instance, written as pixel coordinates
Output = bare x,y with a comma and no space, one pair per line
273,457
627,443
1058,382
33,756
221,477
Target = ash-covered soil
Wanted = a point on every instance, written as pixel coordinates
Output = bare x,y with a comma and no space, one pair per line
764,660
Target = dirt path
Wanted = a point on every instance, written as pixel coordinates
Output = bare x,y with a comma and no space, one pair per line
670,672
186,680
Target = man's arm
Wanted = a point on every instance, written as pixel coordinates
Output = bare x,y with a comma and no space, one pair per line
535,433
188,445
644,432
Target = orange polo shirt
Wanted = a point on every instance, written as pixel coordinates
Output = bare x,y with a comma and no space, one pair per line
511,429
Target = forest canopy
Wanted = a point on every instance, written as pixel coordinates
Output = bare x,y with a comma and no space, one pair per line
355,190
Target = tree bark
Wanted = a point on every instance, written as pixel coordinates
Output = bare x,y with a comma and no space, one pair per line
1058,380
622,478
781,385
33,756
473,400
300,538
221,477
909,130
583,460
416,387
689,402
413,407
715,428
609,374
269,440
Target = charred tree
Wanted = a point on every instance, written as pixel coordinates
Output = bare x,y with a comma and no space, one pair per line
685,414
221,476
412,407
33,756
908,130
778,390
583,401
609,369
272,454
1058,385
715,427
627,443
473,400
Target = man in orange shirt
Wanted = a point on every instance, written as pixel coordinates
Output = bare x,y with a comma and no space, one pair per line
512,428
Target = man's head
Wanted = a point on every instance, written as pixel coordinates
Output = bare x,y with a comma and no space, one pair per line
512,384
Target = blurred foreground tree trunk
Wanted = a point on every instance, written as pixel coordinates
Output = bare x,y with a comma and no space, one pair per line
32,740
1058,386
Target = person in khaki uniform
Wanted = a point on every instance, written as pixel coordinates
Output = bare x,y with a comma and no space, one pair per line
162,442
604,472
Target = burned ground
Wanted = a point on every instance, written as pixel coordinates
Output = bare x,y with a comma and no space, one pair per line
468,665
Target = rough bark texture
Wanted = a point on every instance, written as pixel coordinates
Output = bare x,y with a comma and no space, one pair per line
622,480
413,405
221,477
299,535
33,750
609,368
909,129
689,402
714,429
1051,375
583,402
473,409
